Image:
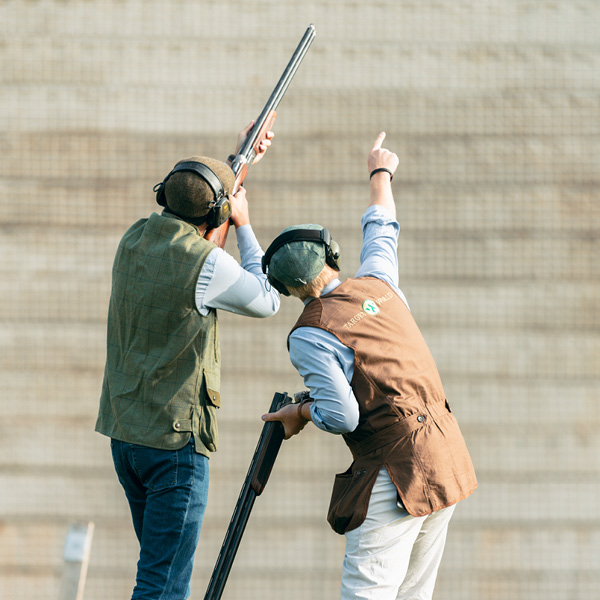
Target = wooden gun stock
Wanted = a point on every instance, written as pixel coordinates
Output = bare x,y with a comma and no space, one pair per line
218,235
264,123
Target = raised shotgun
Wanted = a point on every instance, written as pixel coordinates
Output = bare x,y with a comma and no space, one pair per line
264,123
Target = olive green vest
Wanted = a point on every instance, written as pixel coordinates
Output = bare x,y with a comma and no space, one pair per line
162,376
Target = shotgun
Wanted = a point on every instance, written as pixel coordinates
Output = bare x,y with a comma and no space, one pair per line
261,465
264,123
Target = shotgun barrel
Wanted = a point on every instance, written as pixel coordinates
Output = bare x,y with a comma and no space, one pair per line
270,440
248,150
264,123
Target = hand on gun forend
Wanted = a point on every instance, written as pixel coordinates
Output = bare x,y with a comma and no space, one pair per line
240,214
262,146
292,422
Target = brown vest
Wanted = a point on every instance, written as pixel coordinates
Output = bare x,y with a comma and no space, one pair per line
405,421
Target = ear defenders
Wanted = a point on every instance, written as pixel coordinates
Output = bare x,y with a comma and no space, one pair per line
332,251
220,207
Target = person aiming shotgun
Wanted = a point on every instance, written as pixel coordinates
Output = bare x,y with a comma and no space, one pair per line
162,379
373,380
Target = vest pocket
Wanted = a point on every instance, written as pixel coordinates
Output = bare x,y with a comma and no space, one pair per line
350,497
206,414
212,385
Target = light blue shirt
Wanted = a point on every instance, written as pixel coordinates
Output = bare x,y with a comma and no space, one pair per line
325,364
241,289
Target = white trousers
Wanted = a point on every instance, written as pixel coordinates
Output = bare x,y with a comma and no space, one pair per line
393,555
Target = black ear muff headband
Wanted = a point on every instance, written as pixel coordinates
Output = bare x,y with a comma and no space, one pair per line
220,207
332,251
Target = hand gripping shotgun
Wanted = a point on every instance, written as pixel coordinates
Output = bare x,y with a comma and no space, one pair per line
261,465
264,123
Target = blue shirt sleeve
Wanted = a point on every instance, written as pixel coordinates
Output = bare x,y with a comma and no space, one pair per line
379,254
242,289
326,366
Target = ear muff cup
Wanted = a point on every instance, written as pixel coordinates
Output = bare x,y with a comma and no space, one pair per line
219,213
332,255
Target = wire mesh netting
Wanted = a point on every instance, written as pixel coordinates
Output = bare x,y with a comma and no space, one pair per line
494,110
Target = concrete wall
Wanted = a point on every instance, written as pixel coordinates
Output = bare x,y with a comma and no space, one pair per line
494,109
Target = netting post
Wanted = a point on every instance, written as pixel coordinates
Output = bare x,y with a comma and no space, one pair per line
76,556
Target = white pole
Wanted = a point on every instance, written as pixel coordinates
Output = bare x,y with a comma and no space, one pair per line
77,556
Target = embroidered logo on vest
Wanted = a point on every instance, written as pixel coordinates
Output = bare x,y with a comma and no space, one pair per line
370,307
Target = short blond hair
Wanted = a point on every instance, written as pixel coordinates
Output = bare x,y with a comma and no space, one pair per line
314,288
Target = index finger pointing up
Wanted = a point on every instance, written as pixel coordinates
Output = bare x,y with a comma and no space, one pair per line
379,141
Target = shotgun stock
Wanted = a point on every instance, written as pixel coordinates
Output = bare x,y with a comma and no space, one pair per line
261,465
264,122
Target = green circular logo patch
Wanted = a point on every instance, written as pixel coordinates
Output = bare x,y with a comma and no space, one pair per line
370,307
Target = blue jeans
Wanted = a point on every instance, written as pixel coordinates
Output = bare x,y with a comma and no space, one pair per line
167,492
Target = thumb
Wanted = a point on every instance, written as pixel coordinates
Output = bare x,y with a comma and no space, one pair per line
379,141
